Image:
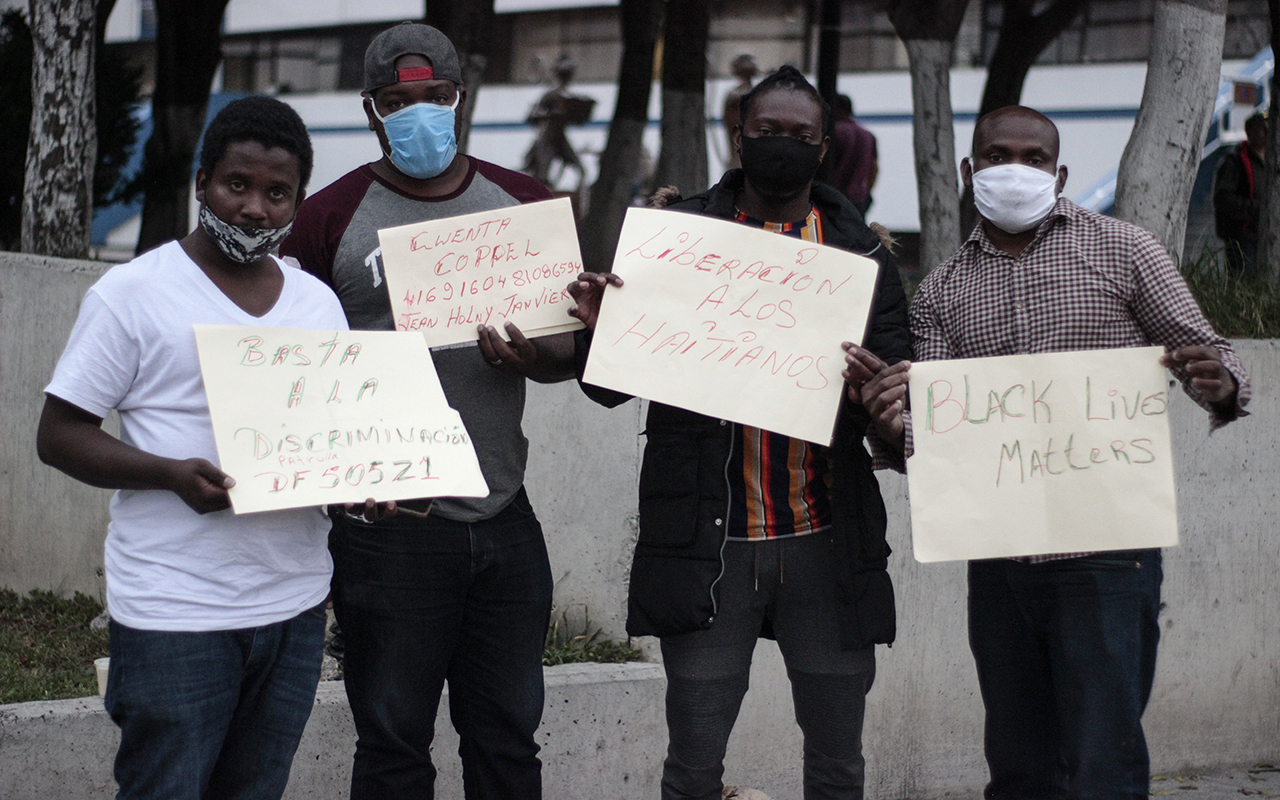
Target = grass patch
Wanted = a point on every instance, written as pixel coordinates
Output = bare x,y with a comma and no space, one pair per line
563,646
46,647
1237,306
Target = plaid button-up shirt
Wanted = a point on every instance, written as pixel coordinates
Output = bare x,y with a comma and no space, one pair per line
1085,282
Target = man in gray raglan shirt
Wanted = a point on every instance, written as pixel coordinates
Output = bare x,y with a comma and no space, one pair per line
462,593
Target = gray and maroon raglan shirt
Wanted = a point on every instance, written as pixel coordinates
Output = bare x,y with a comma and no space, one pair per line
335,238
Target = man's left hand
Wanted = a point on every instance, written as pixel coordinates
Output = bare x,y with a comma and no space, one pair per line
518,356
1208,374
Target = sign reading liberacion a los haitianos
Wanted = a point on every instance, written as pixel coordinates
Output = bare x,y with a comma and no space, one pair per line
731,321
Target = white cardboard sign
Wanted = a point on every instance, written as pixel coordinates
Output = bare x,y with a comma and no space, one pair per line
1037,454
731,321
447,276
306,418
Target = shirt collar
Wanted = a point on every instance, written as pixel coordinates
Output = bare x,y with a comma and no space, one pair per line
1062,209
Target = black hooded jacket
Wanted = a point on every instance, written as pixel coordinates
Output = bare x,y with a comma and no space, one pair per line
684,497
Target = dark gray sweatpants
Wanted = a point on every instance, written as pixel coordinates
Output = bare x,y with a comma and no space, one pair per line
789,582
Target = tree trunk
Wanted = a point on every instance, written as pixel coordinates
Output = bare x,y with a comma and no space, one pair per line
57,198
104,9
1023,37
928,28
682,161
188,49
620,162
1158,168
934,139
1269,215
467,24
829,49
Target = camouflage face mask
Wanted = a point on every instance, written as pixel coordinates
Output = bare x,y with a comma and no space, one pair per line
242,245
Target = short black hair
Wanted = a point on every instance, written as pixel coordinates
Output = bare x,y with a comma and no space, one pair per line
1256,120
265,120
787,77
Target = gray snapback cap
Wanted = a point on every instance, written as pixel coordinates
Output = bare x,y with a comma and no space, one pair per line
405,39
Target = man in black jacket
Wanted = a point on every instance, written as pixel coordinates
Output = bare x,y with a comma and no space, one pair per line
1239,185
744,532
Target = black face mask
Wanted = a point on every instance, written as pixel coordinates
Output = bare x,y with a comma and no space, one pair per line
779,167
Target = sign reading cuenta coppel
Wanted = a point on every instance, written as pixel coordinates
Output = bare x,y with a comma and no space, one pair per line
1039,454
448,276
304,417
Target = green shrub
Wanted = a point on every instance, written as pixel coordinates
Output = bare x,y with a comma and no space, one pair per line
564,647
1238,307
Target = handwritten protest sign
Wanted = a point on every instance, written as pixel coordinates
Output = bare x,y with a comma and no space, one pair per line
447,276
304,418
731,321
1036,454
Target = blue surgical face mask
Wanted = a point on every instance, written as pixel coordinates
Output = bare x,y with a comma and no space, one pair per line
421,138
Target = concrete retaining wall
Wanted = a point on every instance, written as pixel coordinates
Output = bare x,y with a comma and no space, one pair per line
1217,695
608,731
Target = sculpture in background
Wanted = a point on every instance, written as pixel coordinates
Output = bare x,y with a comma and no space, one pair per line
551,115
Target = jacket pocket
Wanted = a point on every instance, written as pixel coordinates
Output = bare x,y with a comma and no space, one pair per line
669,491
873,607
670,595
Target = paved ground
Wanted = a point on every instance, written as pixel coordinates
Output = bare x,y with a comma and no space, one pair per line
1260,780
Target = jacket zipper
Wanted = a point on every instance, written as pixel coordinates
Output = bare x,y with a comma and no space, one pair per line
724,537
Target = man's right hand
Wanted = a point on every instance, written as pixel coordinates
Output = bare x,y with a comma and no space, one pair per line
201,485
587,292
880,388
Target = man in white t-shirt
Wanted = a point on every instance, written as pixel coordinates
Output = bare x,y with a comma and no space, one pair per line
217,619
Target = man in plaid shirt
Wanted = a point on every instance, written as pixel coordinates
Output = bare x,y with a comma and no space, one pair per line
1065,644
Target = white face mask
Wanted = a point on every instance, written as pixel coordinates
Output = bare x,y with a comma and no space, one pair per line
1014,197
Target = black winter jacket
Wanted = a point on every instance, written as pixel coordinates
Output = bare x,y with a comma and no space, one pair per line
684,499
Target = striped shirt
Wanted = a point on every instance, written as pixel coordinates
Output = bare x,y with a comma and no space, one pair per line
779,486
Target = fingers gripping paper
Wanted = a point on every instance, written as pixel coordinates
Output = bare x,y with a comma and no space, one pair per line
1037,454
731,321
447,276
304,418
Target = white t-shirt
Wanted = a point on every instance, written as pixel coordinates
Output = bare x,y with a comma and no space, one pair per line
133,350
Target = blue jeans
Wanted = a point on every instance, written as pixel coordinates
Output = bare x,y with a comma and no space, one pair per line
212,714
788,583
1066,655
422,601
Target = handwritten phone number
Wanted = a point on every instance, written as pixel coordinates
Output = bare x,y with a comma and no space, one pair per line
519,278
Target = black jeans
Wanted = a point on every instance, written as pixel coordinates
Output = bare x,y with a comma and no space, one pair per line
1066,655
425,601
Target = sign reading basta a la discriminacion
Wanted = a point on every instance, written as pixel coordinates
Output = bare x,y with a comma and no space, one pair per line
304,418
1037,454
731,321
448,276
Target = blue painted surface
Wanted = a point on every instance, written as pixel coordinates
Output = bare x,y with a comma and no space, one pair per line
1101,196
108,218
